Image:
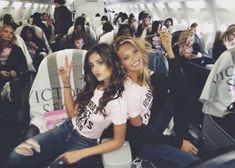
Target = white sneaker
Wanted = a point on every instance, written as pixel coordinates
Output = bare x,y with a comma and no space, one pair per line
137,163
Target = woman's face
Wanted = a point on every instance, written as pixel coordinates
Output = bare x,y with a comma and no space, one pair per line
29,35
126,32
131,58
79,43
7,34
231,36
99,68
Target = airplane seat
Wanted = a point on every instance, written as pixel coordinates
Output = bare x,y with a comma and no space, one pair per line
46,94
158,62
107,38
207,43
20,42
211,131
226,160
120,158
175,37
196,77
218,97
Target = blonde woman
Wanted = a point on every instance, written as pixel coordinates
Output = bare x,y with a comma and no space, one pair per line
145,93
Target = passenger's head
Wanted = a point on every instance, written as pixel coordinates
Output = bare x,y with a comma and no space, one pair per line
168,22
102,69
79,24
45,16
193,28
107,27
97,15
125,30
185,38
145,19
60,2
78,39
37,18
229,34
28,33
7,33
156,27
8,19
133,53
104,19
132,19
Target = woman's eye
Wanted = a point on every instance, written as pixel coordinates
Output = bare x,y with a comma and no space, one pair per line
125,58
90,65
100,62
136,51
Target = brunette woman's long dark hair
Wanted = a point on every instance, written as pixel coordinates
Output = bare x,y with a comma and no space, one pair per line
115,87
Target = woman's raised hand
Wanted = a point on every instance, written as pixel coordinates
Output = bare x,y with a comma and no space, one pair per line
165,37
65,71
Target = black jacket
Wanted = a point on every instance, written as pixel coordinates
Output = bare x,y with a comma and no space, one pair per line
63,20
161,85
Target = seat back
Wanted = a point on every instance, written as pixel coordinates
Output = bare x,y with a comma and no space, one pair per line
226,160
46,93
216,138
158,62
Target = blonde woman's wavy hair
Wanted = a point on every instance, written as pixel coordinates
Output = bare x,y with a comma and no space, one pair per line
183,38
143,47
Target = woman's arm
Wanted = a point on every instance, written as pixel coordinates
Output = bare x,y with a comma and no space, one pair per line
64,72
110,145
136,121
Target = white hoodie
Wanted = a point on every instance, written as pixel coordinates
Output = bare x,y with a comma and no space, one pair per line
218,93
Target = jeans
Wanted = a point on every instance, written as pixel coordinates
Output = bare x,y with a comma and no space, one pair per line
52,144
165,156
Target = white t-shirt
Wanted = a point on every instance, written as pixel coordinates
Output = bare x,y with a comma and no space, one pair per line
139,100
91,124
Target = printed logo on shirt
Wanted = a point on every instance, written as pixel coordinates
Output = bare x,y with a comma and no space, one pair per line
147,104
83,120
227,74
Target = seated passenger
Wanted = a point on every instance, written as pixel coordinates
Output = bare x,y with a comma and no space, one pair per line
132,22
145,27
125,30
36,47
98,105
168,24
12,60
50,29
187,50
79,40
218,93
79,26
8,20
76,40
108,33
154,38
146,92
226,42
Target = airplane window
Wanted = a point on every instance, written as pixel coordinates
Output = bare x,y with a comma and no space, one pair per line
224,16
17,5
4,4
27,5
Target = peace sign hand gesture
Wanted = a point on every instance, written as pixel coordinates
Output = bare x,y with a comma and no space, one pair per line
65,71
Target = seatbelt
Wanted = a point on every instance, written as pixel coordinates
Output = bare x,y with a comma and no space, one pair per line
78,69
54,81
